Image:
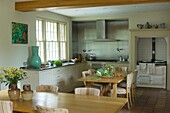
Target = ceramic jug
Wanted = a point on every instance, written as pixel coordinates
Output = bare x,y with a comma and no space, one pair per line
35,60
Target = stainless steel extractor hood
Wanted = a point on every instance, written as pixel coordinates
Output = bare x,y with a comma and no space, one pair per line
101,32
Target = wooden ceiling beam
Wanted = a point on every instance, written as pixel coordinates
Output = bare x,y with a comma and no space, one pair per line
40,4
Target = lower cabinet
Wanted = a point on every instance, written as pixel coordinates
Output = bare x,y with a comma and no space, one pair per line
33,79
63,77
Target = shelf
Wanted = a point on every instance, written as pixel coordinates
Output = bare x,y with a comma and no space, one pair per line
159,29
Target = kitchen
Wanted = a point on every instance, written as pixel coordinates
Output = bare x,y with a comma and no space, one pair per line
20,54
16,54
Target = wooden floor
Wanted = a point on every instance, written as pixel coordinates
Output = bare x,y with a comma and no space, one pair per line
150,100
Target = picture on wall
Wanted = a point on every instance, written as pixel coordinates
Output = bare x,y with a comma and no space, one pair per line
19,33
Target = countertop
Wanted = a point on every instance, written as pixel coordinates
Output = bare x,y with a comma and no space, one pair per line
51,67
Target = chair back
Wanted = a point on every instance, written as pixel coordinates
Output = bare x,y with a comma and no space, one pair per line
87,91
135,75
41,109
6,107
47,88
130,80
84,74
121,69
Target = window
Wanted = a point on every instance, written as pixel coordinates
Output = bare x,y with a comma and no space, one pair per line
51,39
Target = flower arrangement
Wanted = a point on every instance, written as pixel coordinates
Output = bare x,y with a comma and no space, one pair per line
11,75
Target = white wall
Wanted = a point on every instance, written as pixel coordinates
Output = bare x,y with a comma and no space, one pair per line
16,54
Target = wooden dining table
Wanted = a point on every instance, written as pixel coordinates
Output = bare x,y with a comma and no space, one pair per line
105,81
73,102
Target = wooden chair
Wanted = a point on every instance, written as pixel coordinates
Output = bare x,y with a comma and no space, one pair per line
41,109
127,90
88,73
121,69
47,88
134,86
87,91
6,106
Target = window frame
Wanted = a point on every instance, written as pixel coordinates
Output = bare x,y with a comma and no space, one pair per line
44,39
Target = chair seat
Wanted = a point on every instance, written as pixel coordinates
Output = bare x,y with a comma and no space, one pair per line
121,90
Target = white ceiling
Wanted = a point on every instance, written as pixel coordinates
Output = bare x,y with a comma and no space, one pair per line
109,10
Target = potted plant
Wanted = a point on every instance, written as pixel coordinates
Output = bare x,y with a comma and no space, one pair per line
11,76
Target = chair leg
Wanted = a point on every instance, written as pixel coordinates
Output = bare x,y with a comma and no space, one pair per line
133,93
128,103
132,90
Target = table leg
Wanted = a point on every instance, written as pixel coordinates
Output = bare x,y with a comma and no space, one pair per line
88,84
114,93
105,89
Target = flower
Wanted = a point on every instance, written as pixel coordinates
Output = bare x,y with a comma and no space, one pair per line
11,75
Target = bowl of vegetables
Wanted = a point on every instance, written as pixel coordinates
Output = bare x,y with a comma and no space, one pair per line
105,72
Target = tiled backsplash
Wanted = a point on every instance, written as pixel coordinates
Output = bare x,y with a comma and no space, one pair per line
108,50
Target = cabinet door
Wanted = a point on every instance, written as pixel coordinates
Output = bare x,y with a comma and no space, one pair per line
45,77
72,73
143,80
59,78
33,79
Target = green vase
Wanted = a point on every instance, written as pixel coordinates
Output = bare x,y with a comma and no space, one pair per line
35,60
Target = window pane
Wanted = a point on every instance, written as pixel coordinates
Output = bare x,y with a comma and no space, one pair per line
51,31
62,50
39,30
52,50
62,30
41,50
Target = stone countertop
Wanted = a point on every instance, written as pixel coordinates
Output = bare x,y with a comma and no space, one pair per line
52,67
109,61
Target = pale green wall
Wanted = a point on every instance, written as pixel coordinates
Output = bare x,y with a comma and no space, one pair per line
16,54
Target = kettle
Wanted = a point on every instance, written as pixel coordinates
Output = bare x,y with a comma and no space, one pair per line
92,56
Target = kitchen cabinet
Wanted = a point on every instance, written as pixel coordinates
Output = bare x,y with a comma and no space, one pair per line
64,77
33,79
154,80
